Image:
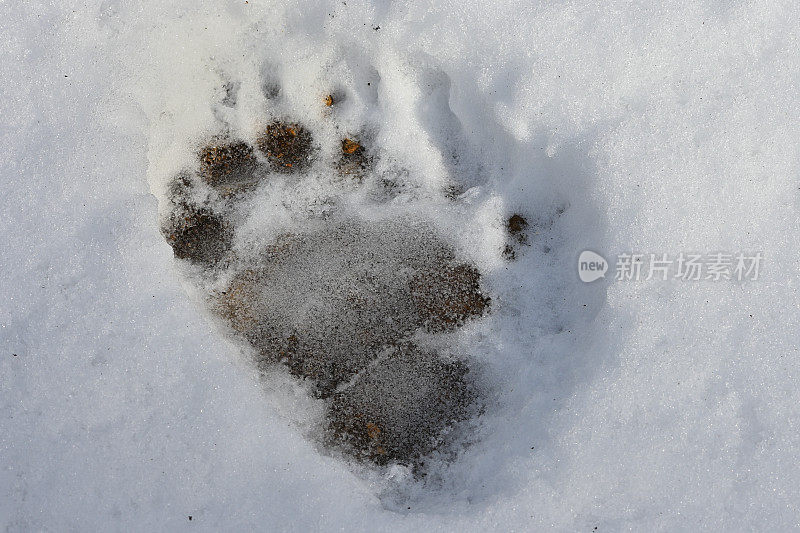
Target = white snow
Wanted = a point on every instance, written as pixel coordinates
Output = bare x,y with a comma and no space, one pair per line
651,405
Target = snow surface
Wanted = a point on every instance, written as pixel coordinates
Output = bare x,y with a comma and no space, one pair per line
613,125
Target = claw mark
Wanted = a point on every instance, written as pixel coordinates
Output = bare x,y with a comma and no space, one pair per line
516,226
354,161
349,146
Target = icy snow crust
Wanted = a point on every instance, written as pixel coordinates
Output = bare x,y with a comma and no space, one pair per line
611,126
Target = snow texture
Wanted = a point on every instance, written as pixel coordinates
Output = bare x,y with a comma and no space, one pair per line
614,126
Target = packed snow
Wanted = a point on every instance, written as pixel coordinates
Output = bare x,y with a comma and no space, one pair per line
619,127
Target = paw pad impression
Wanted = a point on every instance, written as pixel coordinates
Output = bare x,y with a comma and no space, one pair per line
340,301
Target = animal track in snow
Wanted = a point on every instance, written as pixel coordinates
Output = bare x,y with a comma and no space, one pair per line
348,303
